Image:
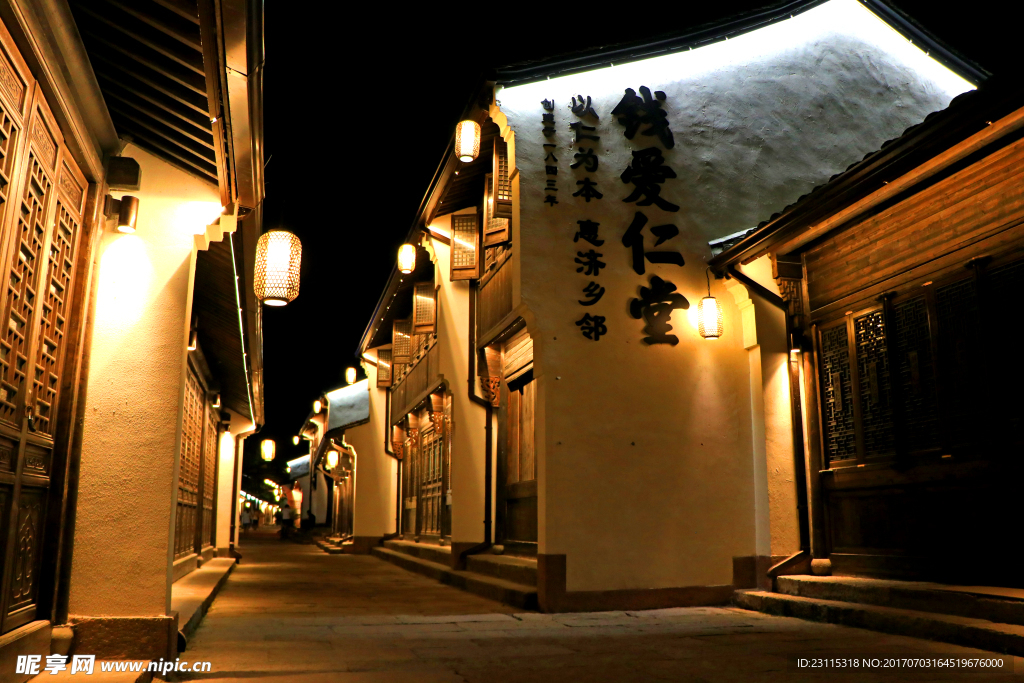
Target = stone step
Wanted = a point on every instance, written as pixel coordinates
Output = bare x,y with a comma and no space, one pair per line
515,569
974,633
500,590
442,554
999,605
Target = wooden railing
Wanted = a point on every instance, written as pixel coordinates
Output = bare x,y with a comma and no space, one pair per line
421,375
494,296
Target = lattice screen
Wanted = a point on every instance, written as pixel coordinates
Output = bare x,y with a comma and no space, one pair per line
424,308
837,394
209,471
12,340
502,184
188,468
401,341
915,374
875,393
384,369
465,247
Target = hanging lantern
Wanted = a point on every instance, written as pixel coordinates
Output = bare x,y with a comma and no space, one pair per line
295,440
350,375
317,407
267,449
332,459
406,259
709,315
278,255
467,141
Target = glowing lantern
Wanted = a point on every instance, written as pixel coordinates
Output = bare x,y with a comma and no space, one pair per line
467,141
317,407
332,459
267,448
406,258
278,255
709,315
350,375
295,440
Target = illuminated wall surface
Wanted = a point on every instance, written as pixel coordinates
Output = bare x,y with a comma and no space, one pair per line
757,121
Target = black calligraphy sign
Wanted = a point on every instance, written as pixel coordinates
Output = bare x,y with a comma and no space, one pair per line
647,172
634,111
655,305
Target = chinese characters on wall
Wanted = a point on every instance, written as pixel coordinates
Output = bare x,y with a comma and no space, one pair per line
644,119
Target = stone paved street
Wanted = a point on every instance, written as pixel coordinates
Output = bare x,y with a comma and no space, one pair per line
293,613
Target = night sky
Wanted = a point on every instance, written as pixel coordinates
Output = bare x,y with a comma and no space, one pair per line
358,111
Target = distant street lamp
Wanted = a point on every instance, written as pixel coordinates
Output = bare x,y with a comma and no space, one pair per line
350,375
267,448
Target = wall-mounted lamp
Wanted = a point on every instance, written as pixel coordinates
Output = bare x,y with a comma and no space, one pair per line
350,375
332,459
295,440
467,141
267,449
406,258
317,407
278,257
125,210
709,314
216,401
193,340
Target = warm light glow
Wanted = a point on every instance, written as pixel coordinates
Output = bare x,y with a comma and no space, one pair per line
350,375
332,459
317,406
406,258
193,340
268,448
126,275
467,141
295,440
216,402
194,217
278,257
709,318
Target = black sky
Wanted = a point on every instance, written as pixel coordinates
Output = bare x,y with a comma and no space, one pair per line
360,102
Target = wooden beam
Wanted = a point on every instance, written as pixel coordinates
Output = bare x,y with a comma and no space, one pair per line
169,31
186,59
127,95
202,154
163,90
155,115
181,8
170,70
153,141
213,68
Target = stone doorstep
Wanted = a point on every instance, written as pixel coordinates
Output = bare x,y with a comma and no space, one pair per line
500,590
442,554
1002,606
331,548
957,630
515,569
192,595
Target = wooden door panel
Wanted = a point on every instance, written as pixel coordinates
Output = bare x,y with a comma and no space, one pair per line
23,572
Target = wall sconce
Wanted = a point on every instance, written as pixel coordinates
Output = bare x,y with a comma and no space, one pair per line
125,210
406,259
467,141
295,440
278,256
350,375
193,340
317,407
216,401
267,449
332,459
709,314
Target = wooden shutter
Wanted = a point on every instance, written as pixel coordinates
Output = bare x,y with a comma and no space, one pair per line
401,341
465,247
517,356
495,229
384,368
424,308
502,184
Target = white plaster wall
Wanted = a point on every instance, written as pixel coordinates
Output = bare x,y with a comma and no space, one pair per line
130,441
226,453
376,472
646,461
468,443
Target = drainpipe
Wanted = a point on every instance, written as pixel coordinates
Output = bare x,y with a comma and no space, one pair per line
488,432
799,448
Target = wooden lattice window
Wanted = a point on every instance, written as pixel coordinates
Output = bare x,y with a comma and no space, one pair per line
465,247
188,468
500,183
424,308
12,338
401,341
495,229
384,368
209,476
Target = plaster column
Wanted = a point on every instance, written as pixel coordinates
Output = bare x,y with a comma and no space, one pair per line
133,415
226,455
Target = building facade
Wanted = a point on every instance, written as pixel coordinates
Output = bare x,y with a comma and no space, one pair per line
132,366
547,391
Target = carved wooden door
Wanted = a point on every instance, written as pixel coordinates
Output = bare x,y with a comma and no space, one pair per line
42,197
187,518
429,469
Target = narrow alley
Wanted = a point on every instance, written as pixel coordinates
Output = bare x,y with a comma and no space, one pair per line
290,612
